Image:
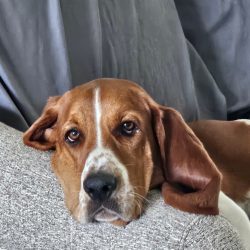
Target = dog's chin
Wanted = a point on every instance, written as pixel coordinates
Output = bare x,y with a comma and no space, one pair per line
109,211
106,215
111,217
103,215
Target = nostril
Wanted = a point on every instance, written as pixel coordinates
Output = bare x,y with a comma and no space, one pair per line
88,190
106,188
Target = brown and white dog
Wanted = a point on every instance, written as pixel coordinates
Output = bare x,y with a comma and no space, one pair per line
113,143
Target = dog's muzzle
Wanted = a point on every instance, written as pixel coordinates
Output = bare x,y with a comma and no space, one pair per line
106,193
100,186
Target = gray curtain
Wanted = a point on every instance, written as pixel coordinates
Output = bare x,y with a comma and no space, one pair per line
50,46
220,32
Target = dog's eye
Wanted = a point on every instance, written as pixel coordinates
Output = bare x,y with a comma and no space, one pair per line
128,128
72,136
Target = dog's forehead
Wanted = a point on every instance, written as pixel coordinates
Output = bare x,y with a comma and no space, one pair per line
114,94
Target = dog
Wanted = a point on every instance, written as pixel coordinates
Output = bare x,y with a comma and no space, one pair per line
113,143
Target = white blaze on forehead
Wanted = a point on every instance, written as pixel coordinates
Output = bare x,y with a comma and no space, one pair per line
98,113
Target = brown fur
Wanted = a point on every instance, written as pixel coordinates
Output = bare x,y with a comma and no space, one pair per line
228,144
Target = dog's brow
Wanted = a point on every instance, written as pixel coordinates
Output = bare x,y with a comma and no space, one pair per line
98,111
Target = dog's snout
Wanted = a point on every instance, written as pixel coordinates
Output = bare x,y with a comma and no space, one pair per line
100,186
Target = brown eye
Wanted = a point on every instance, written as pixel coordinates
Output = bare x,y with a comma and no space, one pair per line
72,136
128,128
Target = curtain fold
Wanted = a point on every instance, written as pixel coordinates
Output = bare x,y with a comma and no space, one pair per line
50,46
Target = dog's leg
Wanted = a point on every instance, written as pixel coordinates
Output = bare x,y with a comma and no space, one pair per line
236,216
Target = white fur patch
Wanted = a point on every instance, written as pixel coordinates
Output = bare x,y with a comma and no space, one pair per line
246,121
104,159
236,216
101,158
98,114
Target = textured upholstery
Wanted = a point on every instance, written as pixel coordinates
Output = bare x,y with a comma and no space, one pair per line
33,215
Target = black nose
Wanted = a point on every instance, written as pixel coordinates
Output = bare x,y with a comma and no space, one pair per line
100,186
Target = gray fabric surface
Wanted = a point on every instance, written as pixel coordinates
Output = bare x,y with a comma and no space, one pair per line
48,47
33,216
219,31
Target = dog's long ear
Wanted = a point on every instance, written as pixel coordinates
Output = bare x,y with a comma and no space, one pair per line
41,135
192,181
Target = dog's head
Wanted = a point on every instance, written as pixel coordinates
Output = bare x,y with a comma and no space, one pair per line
112,143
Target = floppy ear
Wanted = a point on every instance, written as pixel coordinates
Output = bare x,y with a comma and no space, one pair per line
41,135
192,181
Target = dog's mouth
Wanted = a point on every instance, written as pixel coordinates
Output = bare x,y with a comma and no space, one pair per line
104,214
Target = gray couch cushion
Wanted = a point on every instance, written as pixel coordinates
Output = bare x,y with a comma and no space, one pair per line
33,215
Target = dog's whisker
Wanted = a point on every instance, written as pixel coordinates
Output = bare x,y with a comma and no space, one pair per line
139,206
139,197
139,187
130,164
